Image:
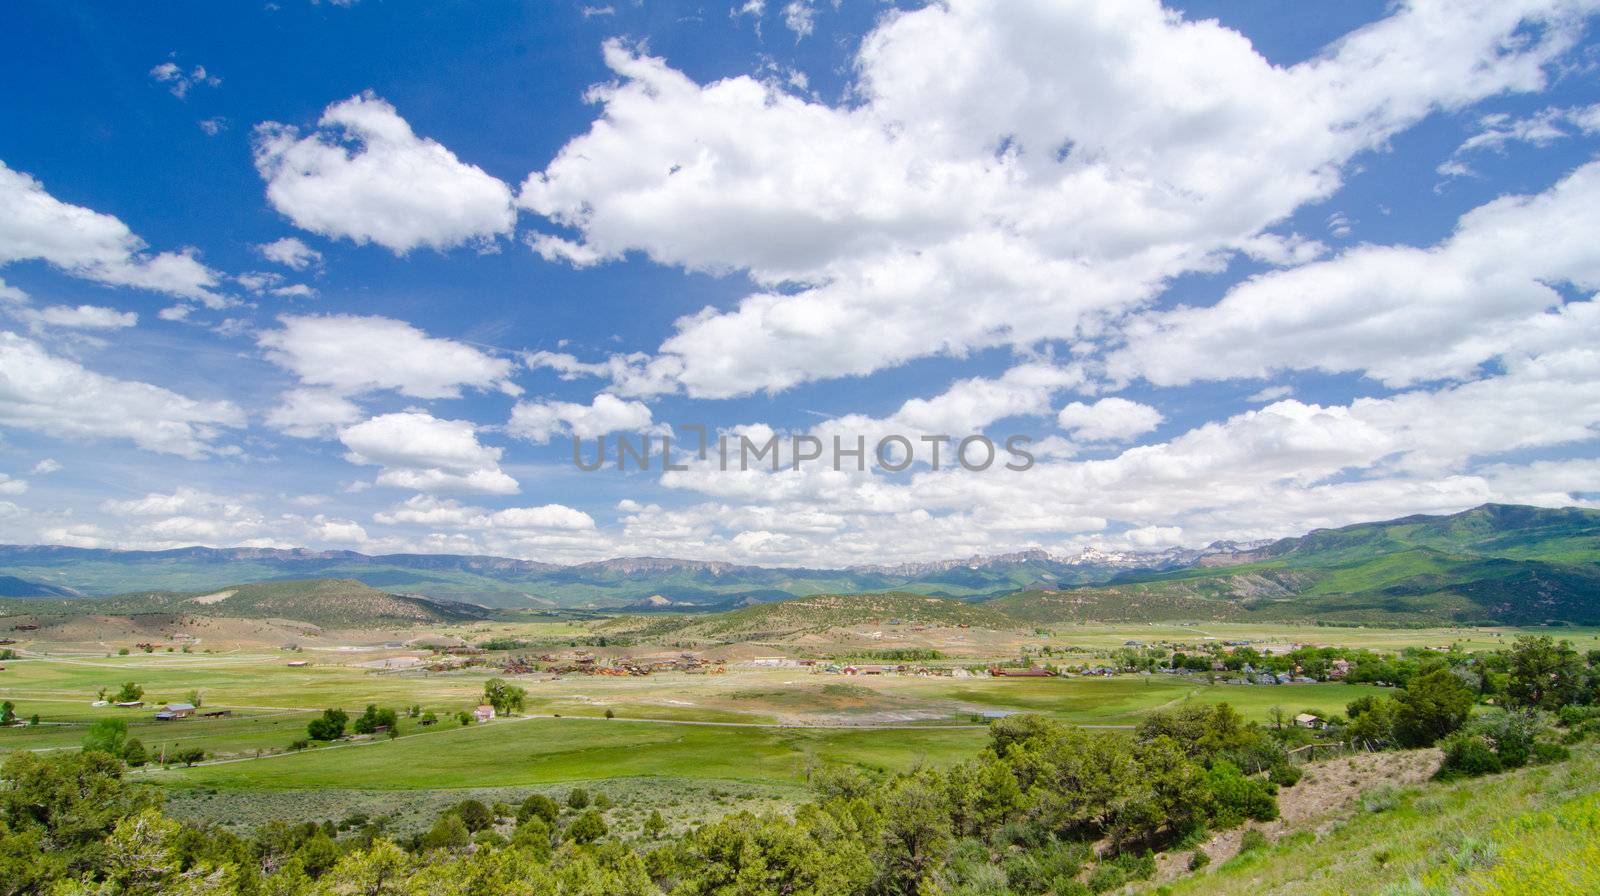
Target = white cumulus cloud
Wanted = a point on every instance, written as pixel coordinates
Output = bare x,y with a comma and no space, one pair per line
365,175
423,453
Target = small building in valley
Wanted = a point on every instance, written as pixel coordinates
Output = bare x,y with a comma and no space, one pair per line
483,713
175,711
1307,720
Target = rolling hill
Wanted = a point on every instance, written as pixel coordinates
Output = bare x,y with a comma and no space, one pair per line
819,613
1491,564
334,603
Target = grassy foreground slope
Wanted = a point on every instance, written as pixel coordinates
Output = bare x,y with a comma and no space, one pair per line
1532,831
1492,564
327,602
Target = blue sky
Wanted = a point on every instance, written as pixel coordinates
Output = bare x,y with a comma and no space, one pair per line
354,275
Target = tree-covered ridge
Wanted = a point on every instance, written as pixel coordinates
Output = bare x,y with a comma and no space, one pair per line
1492,564
334,602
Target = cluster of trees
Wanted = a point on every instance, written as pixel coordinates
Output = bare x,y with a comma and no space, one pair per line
1024,816
1532,684
505,697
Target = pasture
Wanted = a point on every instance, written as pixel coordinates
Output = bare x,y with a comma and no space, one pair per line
751,734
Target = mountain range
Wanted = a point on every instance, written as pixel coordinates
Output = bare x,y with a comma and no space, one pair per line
639,582
1494,563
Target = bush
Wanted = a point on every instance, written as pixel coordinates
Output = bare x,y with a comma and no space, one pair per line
1546,753
586,828
1284,775
475,815
449,832
1041,870
1113,873
134,753
1234,798
1381,798
578,799
538,806
1468,756
300,744
1252,841
1199,860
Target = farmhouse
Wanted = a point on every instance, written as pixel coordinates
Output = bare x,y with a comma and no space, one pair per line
483,713
1307,720
174,711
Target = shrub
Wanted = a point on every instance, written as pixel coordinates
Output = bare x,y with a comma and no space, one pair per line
449,832
1041,870
586,828
1113,873
1234,798
538,806
1252,841
475,815
578,798
1199,860
134,753
1284,775
1381,798
1546,753
1468,756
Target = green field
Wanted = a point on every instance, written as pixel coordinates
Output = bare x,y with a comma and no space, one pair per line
694,746
548,751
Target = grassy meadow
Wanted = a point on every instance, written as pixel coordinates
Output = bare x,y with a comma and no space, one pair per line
696,745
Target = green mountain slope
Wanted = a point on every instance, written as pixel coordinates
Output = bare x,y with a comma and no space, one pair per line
326,602
1495,563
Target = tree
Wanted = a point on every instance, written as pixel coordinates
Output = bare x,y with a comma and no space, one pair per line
1372,722
578,798
107,736
71,800
539,806
318,854
328,726
190,755
504,697
1433,705
1543,673
655,825
475,815
195,697
586,828
8,713
133,753
449,832
375,719
130,693
916,832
